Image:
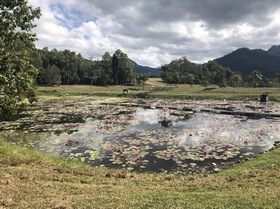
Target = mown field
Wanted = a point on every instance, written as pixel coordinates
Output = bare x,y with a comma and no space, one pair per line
154,87
30,179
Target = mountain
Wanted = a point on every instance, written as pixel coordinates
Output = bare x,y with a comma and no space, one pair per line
144,69
274,50
246,60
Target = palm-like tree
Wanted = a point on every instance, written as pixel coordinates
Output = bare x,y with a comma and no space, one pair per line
255,77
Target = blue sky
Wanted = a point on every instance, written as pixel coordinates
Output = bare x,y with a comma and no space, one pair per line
155,32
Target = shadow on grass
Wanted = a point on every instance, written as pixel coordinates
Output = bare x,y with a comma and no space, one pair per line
209,89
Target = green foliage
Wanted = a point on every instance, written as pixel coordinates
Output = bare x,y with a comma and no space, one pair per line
255,78
182,71
221,76
141,79
52,75
107,72
103,72
74,69
123,69
69,65
17,73
179,71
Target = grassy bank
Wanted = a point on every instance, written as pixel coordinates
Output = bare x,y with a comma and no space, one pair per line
29,179
156,88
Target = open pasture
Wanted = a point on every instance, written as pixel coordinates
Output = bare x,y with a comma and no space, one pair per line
155,88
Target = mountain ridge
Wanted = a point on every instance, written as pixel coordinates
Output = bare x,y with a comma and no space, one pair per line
243,60
246,60
145,69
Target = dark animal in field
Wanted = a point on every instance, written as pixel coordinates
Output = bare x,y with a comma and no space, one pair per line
125,91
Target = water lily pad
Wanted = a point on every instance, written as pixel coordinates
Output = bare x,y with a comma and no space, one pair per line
193,164
248,153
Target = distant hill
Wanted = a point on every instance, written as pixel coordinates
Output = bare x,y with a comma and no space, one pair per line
145,69
274,50
246,60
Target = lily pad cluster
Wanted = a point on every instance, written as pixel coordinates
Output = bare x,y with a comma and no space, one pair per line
126,135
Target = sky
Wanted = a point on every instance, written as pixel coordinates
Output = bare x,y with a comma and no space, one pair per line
155,32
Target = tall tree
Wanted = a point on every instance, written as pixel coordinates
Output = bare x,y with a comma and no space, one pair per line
177,71
51,75
255,78
236,80
107,71
141,79
123,69
86,71
70,64
17,73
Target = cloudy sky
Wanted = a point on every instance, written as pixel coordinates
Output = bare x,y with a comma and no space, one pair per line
155,32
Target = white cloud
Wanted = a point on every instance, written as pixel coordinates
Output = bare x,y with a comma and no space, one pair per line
156,32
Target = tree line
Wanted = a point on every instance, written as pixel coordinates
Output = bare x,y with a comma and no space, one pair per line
67,68
182,71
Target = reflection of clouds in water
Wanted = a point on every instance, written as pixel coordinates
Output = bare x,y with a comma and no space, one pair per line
224,134
184,139
189,139
199,129
86,134
148,116
229,129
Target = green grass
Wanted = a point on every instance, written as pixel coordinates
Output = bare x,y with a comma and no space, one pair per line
29,179
156,88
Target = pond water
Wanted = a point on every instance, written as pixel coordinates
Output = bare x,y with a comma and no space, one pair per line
160,140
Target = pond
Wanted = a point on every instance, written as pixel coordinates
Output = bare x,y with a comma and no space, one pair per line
161,140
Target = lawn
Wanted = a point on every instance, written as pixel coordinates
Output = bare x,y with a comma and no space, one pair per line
154,87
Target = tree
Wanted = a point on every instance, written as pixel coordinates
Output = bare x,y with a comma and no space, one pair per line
217,74
69,63
255,78
189,78
123,69
141,79
52,75
236,80
17,74
86,71
220,76
177,71
107,71
116,68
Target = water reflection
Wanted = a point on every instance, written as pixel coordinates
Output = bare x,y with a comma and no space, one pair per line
142,143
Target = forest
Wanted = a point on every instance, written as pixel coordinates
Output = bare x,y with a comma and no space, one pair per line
67,68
